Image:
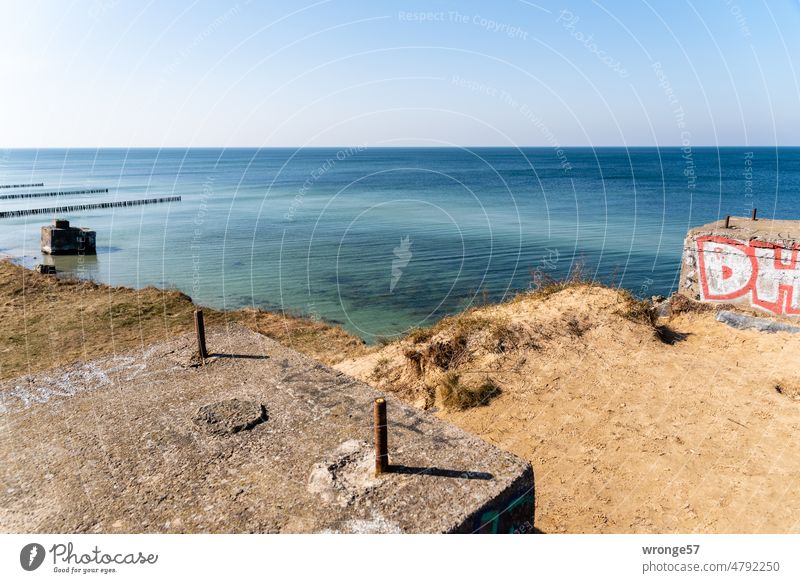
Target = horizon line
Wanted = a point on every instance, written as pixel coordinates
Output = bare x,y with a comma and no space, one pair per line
470,147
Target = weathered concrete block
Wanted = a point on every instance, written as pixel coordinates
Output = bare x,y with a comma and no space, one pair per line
260,439
745,322
61,239
750,263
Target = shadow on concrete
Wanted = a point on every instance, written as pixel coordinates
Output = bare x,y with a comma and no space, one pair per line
439,472
242,356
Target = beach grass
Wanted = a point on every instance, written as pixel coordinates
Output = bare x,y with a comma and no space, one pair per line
48,321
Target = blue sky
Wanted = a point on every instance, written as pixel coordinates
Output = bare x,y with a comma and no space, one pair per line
91,73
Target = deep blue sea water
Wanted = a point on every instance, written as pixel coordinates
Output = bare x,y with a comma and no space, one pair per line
382,240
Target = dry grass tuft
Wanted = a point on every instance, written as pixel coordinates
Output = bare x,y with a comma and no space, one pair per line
447,353
788,389
638,310
419,335
456,396
574,327
680,304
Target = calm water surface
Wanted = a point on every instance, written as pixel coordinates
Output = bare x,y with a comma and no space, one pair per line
382,240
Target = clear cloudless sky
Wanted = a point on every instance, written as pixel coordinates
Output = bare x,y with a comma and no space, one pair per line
136,73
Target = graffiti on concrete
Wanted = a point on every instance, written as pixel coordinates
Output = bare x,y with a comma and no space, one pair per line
34,389
763,273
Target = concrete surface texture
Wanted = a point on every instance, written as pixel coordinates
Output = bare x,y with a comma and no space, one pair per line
750,263
260,439
745,322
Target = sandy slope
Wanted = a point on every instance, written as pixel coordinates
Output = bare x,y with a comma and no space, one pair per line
626,433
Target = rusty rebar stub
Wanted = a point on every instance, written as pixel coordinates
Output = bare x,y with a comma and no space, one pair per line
200,332
381,437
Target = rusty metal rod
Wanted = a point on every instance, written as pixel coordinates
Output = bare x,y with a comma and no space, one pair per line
753,215
728,222
381,437
200,331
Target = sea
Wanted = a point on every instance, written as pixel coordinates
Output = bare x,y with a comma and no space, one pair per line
382,240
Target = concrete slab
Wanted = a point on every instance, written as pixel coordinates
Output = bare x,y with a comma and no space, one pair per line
261,439
745,322
745,228
751,264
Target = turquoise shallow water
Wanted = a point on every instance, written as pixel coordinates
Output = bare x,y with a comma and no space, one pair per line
382,240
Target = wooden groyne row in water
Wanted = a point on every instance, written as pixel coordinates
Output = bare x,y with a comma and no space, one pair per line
36,185
87,207
54,193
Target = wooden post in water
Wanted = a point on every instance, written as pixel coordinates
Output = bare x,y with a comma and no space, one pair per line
753,216
728,222
85,207
200,331
381,437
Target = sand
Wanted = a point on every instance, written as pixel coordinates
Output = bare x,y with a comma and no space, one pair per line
627,433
